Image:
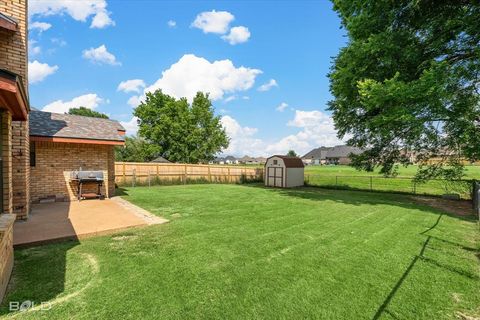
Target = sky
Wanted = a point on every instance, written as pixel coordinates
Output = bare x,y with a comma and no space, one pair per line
264,63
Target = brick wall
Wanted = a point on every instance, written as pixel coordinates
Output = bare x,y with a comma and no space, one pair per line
14,58
21,168
54,161
13,45
6,251
6,130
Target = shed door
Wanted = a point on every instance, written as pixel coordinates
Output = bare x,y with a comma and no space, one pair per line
275,177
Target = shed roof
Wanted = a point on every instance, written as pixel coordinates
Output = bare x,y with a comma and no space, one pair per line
67,126
290,162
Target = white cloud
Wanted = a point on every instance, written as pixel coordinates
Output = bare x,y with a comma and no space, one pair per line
40,26
78,10
172,23
191,74
134,85
230,98
130,126
281,107
213,21
89,100
100,55
317,129
134,101
101,20
33,49
237,35
38,71
269,85
242,140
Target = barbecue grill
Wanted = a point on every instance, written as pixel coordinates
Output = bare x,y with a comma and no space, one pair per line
87,177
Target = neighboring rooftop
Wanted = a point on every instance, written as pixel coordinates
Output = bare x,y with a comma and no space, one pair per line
323,153
67,126
160,159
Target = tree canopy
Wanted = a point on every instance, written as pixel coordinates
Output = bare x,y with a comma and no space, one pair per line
136,149
82,111
183,132
292,153
408,83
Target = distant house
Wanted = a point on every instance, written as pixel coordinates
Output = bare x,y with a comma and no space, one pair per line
231,160
316,156
261,160
217,160
330,155
160,160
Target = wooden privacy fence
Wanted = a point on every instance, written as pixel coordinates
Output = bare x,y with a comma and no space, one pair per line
139,173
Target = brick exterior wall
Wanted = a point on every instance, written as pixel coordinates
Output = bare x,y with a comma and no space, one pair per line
13,45
54,161
14,58
6,123
6,251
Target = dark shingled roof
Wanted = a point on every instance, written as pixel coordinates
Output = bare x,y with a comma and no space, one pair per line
290,162
160,160
323,153
59,125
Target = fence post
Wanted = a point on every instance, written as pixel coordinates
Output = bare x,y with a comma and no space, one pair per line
371,183
124,176
158,173
149,182
185,174
229,178
209,175
134,177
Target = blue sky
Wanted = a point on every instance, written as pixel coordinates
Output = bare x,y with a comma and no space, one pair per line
265,63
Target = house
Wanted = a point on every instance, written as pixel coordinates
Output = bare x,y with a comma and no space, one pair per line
231,160
330,155
261,160
341,154
62,143
14,109
218,160
316,156
160,160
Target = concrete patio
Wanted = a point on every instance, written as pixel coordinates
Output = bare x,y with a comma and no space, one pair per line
49,222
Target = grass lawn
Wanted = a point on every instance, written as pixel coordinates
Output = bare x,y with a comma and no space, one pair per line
347,177
472,172
233,251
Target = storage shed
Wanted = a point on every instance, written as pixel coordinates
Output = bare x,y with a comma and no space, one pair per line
284,172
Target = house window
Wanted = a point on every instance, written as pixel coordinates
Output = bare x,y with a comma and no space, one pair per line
32,154
275,162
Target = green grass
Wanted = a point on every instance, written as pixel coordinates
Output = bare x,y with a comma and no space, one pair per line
243,252
346,177
472,172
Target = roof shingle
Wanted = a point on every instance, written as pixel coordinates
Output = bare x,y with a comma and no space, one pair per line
58,125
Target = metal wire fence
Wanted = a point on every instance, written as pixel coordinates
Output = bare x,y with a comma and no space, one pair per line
476,198
435,187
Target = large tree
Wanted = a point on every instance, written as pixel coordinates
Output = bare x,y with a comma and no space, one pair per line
82,111
183,132
136,149
408,83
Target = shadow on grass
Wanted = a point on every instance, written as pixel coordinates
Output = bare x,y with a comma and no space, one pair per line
38,274
358,198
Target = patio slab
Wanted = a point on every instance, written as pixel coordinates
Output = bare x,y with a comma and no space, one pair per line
49,222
